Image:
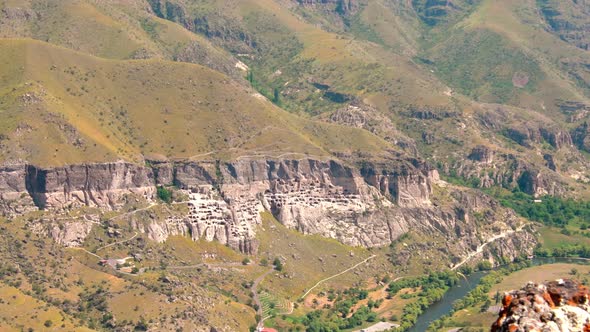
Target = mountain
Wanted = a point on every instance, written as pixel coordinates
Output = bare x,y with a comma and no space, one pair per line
184,152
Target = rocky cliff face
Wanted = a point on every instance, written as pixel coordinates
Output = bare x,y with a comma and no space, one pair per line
493,168
370,206
341,6
14,198
100,185
560,305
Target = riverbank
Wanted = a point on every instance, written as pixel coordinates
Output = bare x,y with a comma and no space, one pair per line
541,269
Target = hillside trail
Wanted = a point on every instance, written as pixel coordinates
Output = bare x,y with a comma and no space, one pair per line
337,274
119,242
480,248
257,282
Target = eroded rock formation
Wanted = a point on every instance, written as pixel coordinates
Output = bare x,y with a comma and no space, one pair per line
370,206
492,168
556,306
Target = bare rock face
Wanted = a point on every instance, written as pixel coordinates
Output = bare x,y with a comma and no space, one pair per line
482,154
341,6
493,168
556,306
581,137
529,135
100,185
72,234
407,185
14,198
371,206
67,232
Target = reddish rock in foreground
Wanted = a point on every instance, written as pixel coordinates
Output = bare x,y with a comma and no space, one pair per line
560,305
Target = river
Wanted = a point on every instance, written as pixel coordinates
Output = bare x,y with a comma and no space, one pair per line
444,306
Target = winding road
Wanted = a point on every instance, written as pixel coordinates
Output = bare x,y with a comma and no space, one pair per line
483,245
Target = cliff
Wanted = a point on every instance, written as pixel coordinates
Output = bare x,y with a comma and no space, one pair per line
560,305
369,206
494,168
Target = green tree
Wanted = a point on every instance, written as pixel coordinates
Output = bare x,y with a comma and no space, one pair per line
276,98
277,264
164,194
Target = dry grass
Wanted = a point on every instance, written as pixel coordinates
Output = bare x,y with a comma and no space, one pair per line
121,109
19,311
308,259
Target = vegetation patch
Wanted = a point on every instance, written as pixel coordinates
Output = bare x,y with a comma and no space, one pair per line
164,194
482,65
550,210
480,294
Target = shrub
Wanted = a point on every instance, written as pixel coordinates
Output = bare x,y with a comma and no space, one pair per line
164,194
277,264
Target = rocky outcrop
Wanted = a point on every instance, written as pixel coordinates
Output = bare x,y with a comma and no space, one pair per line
360,115
557,138
556,306
527,136
574,110
402,184
538,184
206,55
433,12
343,7
568,20
215,25
429,113
485,167
14,198
482,154
581,137
100,185
370,206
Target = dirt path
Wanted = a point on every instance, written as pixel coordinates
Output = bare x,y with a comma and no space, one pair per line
120,242
188,267
490,240
257,298
86,251
336,275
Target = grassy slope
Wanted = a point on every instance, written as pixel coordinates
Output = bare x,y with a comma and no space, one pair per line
64,274
116,30
147,106
308,259
20,311
510,30
323,257
348,64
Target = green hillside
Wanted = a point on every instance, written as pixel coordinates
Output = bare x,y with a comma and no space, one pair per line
75,107
494,94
